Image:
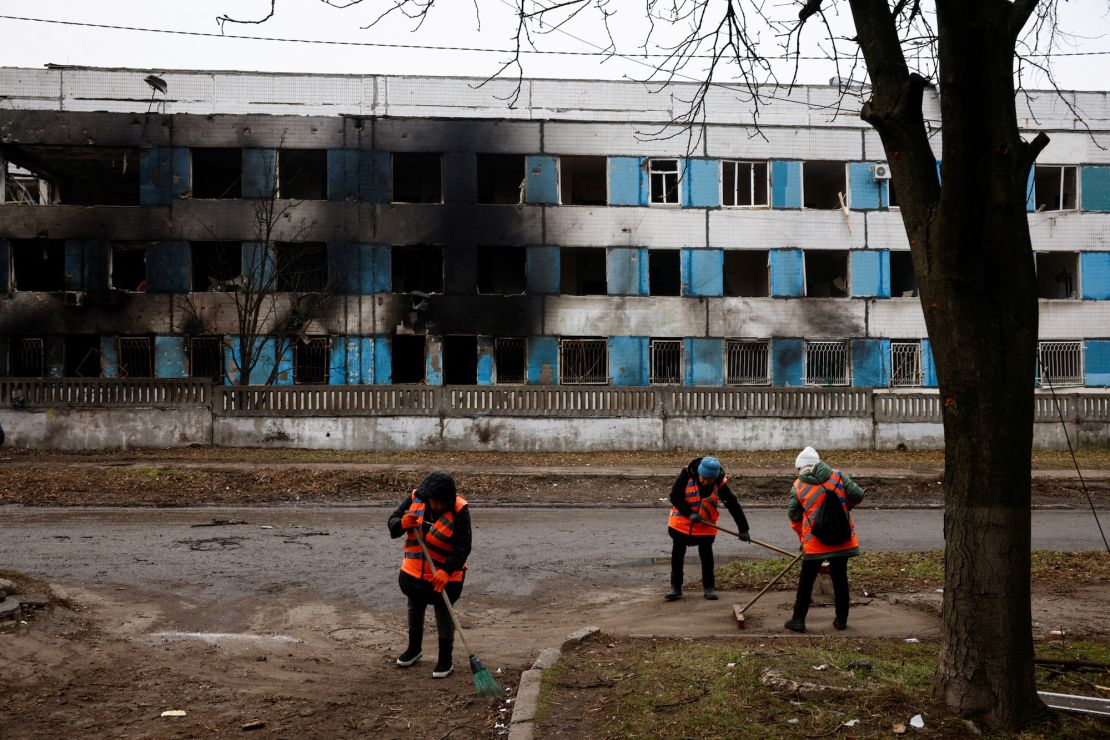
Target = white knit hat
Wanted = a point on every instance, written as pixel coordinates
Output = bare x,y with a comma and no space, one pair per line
807,458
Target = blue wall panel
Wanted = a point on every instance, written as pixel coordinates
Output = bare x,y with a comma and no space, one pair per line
377,268
703,272
259,172
170,360
264,366
87,264
543,269
628,361
5,265
788,362
928,366
169,268
351,361
703,361
1094,267
543,361
343,174
542,181
433,362
786,184
383,360
164,174
787,273
627,183
485,360
867,192
1031,191
1097,363
627,271
373,177
870,363
701,188
258,264
1095,188
337,361
870,273
109,358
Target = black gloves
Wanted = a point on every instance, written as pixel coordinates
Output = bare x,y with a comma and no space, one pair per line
695,518
745,537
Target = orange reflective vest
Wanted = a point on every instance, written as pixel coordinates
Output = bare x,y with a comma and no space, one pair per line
438,538
810,497
705,507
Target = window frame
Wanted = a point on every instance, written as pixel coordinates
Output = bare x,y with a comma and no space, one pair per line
653,376
566,342
918,380
1073,381
842,345
676,173
1060,193
751,182
737,343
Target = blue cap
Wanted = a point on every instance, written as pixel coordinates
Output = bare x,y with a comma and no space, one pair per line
710,467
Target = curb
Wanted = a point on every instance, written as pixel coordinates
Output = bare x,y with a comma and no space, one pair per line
522,723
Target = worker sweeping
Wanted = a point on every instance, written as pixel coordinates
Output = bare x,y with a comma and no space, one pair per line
820,513
443,518
698,491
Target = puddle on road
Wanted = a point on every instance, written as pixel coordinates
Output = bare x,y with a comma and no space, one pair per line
215,637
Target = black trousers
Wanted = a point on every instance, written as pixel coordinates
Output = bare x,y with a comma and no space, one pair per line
420,593
838,571
678,557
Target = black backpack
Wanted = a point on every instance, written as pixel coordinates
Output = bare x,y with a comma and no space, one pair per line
830,525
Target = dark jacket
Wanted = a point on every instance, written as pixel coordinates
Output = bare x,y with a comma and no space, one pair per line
461,538
678,500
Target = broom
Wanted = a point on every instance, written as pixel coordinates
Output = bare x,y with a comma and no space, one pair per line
484,683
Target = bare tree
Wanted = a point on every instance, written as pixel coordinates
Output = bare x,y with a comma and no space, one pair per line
969,238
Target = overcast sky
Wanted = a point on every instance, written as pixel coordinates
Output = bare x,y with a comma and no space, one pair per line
453,24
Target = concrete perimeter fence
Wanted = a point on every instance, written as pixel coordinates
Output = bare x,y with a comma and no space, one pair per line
103,413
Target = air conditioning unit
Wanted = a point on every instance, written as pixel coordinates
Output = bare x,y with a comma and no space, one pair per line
882,171
75,298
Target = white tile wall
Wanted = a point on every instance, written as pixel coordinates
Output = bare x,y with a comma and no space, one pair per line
896,318
885,230
662,228
627,139
624,316
769,142
1069,231
770,229
1074,319
811,318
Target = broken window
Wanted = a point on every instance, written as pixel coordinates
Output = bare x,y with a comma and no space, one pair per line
408,359
302,267
217,266
891,194
747,273
206,358
583,361
303,174
72,175
582,271
38,264
747,362
460,360
129,266
664,181
501,178
417,178
501,270
824,184
582,181
903,281
24,187
509,360
744,183
1054,188
827,364
27,357
666,361
905,364
417,268
1059,363
136,357
826,273
82,356
664,272
1056,274
217,173
310,361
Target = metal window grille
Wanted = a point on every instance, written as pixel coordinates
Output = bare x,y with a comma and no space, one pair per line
743,183
747,362
584,361
664,180
206,358
827,363
1060,363
27,358
666,361
135,358
905,364
508,360
310,361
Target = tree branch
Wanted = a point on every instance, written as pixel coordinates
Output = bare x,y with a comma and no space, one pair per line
1031,149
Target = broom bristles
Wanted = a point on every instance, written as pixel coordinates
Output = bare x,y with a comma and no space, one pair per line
484,682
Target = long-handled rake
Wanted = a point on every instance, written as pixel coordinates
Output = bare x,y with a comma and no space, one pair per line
484,683
739,611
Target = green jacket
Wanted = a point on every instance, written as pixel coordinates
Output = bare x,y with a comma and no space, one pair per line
822,472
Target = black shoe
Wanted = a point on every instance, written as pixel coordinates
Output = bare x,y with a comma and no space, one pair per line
674,594
409,657
711,594
840,624
443,669
795,625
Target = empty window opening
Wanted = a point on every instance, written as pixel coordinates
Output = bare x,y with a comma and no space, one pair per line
26,187
408,359
136,357
417,178
903,281
583,361
217,173
747,273
82,356
824,184
38,264
827,364
301,267
27,357
582,271
310,361
747,362
303,174
460,360
1059,363
72,175
826,273
129,266
417,268
582,181
664,272
664,180
501,270
217,266
1057,274
905,364
891,194
508,360
744,183
1055,188
206,358
666,361
500,178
